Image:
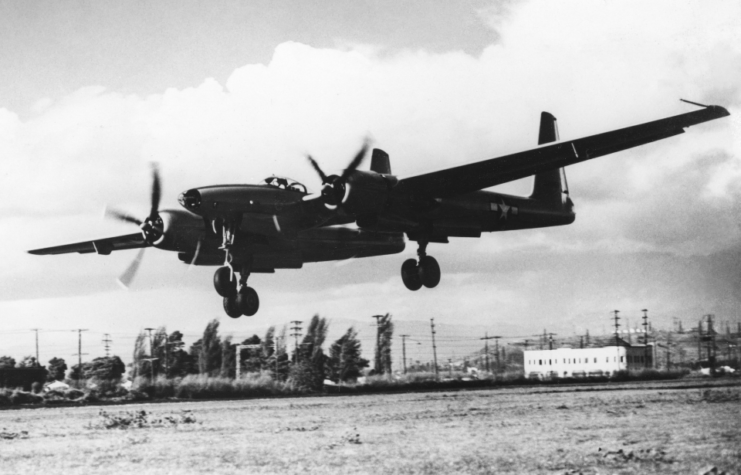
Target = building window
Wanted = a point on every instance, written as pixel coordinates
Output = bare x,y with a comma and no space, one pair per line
595,360
540,362
621,359
607,359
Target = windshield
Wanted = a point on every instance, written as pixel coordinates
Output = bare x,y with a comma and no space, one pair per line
284,184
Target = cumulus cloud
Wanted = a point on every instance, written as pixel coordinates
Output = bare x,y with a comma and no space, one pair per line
595,65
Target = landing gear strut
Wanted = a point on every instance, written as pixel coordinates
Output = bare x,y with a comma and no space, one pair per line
239,299
425,272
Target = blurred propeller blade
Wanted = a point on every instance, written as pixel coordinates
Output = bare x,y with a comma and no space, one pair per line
156,191
318,170
357,160
130,272
121,216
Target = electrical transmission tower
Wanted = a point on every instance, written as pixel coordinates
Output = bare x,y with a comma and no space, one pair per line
296,334
107,344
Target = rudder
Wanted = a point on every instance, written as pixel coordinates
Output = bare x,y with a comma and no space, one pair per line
547,187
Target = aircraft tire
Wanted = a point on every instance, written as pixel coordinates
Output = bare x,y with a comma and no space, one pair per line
429,272
225,282
231,308
410,275
248,301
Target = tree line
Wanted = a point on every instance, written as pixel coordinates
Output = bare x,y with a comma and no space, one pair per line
159,353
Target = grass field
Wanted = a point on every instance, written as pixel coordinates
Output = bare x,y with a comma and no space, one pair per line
663,429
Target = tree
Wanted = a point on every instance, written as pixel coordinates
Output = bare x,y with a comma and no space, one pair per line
28,362
7,362
383,346
228,358
209,357
139,365
56,369
179,362
104,368
309,371
344,362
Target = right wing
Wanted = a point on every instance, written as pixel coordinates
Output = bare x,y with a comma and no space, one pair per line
101,246
488,173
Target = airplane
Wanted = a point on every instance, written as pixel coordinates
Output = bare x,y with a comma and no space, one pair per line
277,224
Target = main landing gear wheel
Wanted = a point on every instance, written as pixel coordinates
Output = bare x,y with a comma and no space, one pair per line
247,301
425,272
429,272
410,275
225,282
231,308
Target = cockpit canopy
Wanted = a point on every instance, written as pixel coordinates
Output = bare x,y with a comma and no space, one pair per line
284,184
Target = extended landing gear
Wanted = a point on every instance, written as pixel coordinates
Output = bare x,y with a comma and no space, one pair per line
239,299
426,272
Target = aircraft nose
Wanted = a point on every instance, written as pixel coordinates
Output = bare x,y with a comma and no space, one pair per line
190,199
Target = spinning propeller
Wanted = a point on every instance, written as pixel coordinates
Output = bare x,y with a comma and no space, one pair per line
152,227
334,186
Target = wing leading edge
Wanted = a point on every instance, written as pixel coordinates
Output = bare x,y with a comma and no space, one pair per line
101,246
487,173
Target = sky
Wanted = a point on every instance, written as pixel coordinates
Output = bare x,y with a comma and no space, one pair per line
232,92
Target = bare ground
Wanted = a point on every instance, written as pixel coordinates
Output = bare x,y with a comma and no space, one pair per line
639,429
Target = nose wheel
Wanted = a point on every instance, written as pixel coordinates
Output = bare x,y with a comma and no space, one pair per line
422,272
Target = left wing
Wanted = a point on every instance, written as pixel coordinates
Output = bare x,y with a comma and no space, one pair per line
101,246
479,175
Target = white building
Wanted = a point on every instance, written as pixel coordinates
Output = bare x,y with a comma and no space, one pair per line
581,362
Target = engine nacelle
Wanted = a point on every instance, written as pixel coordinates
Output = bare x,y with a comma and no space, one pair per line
366,193
180,230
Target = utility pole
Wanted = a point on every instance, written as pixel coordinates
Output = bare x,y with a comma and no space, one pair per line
378,362
617,326
711,342
434,348
645,338
79,353
37,345
107,343
486,348
404,351
496,346
296,328
450,368
550,340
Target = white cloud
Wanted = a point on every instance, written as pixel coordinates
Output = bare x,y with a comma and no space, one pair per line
595,65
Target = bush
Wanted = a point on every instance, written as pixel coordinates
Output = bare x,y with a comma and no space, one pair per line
23,397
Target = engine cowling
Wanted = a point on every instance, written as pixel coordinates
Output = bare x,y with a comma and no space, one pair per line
366,193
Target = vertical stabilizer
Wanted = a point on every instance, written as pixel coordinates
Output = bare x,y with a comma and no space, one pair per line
380,162
547,187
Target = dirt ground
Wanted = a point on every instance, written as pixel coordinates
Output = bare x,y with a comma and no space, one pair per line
626,429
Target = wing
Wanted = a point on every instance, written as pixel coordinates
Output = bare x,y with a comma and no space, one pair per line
101,246
479,175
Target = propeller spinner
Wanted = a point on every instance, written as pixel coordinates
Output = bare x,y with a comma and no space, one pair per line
152,226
